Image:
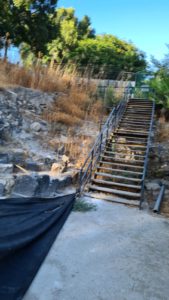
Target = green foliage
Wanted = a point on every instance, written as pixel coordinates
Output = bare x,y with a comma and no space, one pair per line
160,85
70,31
28,21
109,50
110,98
38,28
84,28
83,206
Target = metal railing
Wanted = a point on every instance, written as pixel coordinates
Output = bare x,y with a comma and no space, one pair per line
94,155
146,155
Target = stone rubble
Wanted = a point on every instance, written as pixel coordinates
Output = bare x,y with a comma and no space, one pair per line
24,140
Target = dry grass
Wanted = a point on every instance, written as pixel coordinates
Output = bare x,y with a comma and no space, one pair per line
76,100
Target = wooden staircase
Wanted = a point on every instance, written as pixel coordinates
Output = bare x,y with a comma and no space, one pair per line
120,170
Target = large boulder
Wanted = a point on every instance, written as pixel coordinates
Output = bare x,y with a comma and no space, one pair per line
2,188
25,185
6,169
36,126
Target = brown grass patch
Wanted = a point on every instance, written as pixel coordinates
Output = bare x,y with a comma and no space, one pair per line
76,101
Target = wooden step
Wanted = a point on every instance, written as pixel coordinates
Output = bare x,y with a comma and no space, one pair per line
134,123
116,150
135,120
136,131
132,127
138,116
139,104
115,199
128,144
134,142
118,185
138,109
120,171
117,177
115,153
120,132
114,191
123,160
112,136
121,165
141,123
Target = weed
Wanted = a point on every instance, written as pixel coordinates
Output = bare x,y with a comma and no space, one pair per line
83,206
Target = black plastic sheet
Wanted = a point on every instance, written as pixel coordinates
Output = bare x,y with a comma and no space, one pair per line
28,228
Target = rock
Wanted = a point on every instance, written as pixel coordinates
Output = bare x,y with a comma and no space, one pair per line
56,167
152,186
43,186
33,166
65,159
25,185
61,150
2,188
65,181
6,169
36,127
53,186
4,158
17,156
165,182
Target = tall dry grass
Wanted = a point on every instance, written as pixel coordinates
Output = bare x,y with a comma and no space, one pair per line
76,100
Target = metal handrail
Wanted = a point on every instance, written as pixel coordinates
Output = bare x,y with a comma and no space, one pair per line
146,156
94,154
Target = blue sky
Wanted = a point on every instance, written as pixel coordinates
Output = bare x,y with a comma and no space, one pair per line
144,22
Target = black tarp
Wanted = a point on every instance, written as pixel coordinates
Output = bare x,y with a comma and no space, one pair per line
28,227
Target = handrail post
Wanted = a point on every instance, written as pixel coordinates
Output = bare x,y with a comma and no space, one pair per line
91,168
80,181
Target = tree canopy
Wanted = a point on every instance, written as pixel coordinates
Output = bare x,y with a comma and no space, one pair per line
57,35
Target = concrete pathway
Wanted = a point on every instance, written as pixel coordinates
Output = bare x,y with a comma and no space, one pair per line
113,253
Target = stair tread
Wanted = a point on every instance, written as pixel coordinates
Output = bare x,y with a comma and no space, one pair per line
127,123
135,120
119,192
118,177
121,159
135,142
130,138
137,117
135,155
114,199
128,144
131,133
120,170
121,165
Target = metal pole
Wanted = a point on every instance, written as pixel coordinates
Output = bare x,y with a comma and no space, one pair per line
157,205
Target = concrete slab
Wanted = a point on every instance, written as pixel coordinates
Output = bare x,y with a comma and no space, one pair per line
113,253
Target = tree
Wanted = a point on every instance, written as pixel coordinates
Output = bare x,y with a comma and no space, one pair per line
84,29
110,53
29,21
70,31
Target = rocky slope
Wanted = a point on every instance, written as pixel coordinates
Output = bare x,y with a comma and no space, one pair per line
34,160
158,170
